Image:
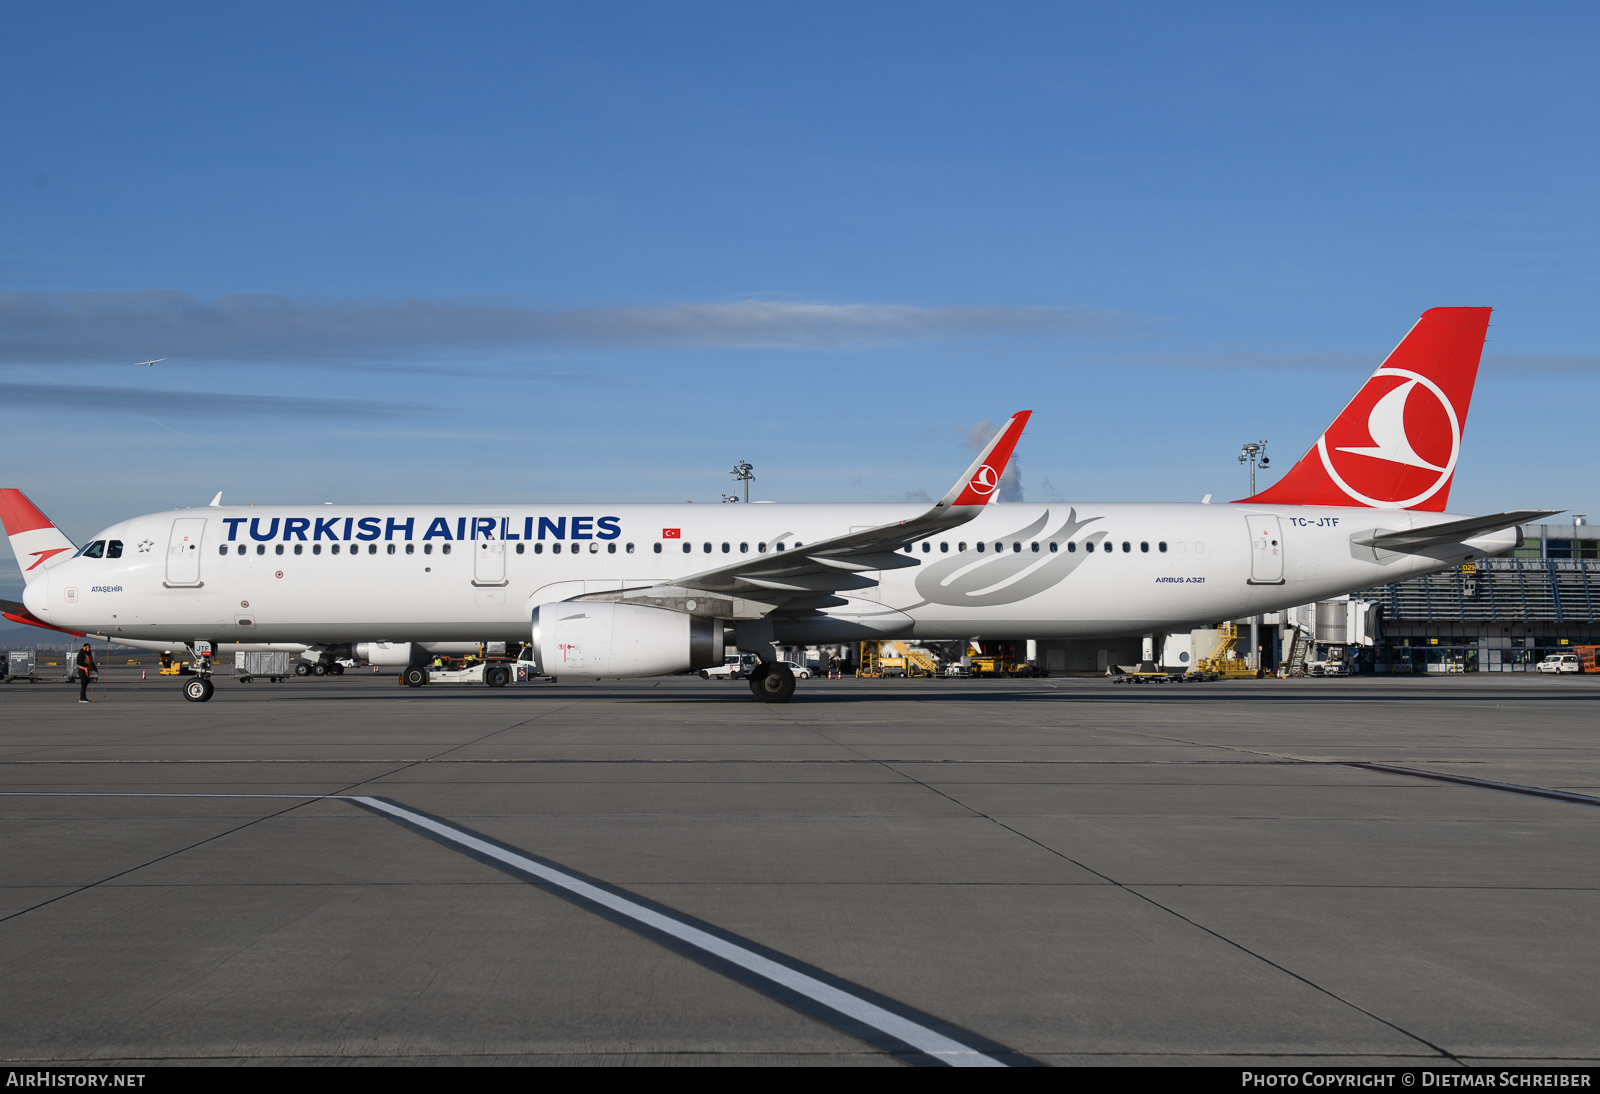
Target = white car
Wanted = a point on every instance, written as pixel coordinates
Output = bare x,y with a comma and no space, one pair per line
800,671
734,667
1560,662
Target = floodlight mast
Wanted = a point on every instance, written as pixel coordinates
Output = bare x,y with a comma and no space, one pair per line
744,471
1255,454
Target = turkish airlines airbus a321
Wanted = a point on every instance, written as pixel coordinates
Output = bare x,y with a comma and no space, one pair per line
647,590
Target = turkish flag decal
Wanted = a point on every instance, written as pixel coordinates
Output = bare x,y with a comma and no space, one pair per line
671,533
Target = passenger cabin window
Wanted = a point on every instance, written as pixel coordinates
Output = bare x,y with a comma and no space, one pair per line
298,547
261,548
611,548
1162,546
444,548
1052,548
1016,548
538,549
427,549
278,550
687,547
630,548
316,548
1145,547
391,548
1034,547
980,548
779,546
658,548
1126,547
944,548
520,548
555,548
241,548
744,548
333,550
223,549
726,548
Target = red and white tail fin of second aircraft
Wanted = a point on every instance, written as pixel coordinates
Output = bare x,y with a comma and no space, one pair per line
1395,445
36,542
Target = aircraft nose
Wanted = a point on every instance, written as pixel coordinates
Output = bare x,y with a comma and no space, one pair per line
36,597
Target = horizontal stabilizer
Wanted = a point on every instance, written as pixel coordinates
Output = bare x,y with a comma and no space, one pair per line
19,613
1455,531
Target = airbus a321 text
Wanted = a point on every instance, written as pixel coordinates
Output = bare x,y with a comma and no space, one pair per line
608,591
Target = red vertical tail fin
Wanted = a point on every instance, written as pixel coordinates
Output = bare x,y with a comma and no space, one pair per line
1395,445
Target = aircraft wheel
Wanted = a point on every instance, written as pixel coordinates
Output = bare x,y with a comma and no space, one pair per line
302,668
198,690
415,677
497,677
319,669
336,669
773,685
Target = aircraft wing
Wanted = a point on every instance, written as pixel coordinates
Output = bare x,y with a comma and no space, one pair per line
1455,531
837,564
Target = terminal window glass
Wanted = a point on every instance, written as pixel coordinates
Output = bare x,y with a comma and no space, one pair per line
114,549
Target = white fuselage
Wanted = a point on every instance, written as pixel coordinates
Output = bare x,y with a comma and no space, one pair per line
474,573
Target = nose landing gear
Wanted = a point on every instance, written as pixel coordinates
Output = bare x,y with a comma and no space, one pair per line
199,689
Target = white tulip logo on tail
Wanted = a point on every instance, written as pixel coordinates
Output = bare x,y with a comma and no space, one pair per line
1403,419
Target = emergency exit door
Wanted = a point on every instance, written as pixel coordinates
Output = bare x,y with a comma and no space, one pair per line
183,551
489,562
1266,550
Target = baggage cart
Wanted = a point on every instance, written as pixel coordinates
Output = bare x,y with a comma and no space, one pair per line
274,666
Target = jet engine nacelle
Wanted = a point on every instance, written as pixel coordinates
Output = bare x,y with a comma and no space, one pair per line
383,653
604,638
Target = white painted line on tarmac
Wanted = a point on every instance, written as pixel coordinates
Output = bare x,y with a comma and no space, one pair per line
810,990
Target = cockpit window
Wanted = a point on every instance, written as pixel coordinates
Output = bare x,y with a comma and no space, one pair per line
95,549
114,548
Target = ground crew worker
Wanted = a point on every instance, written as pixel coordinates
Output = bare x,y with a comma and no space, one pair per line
86,665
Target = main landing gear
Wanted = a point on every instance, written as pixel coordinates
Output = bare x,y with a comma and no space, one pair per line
772,682
199,689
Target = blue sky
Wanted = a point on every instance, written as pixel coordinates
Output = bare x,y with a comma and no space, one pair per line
600,251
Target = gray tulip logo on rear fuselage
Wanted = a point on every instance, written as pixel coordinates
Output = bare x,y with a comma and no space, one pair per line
978,581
